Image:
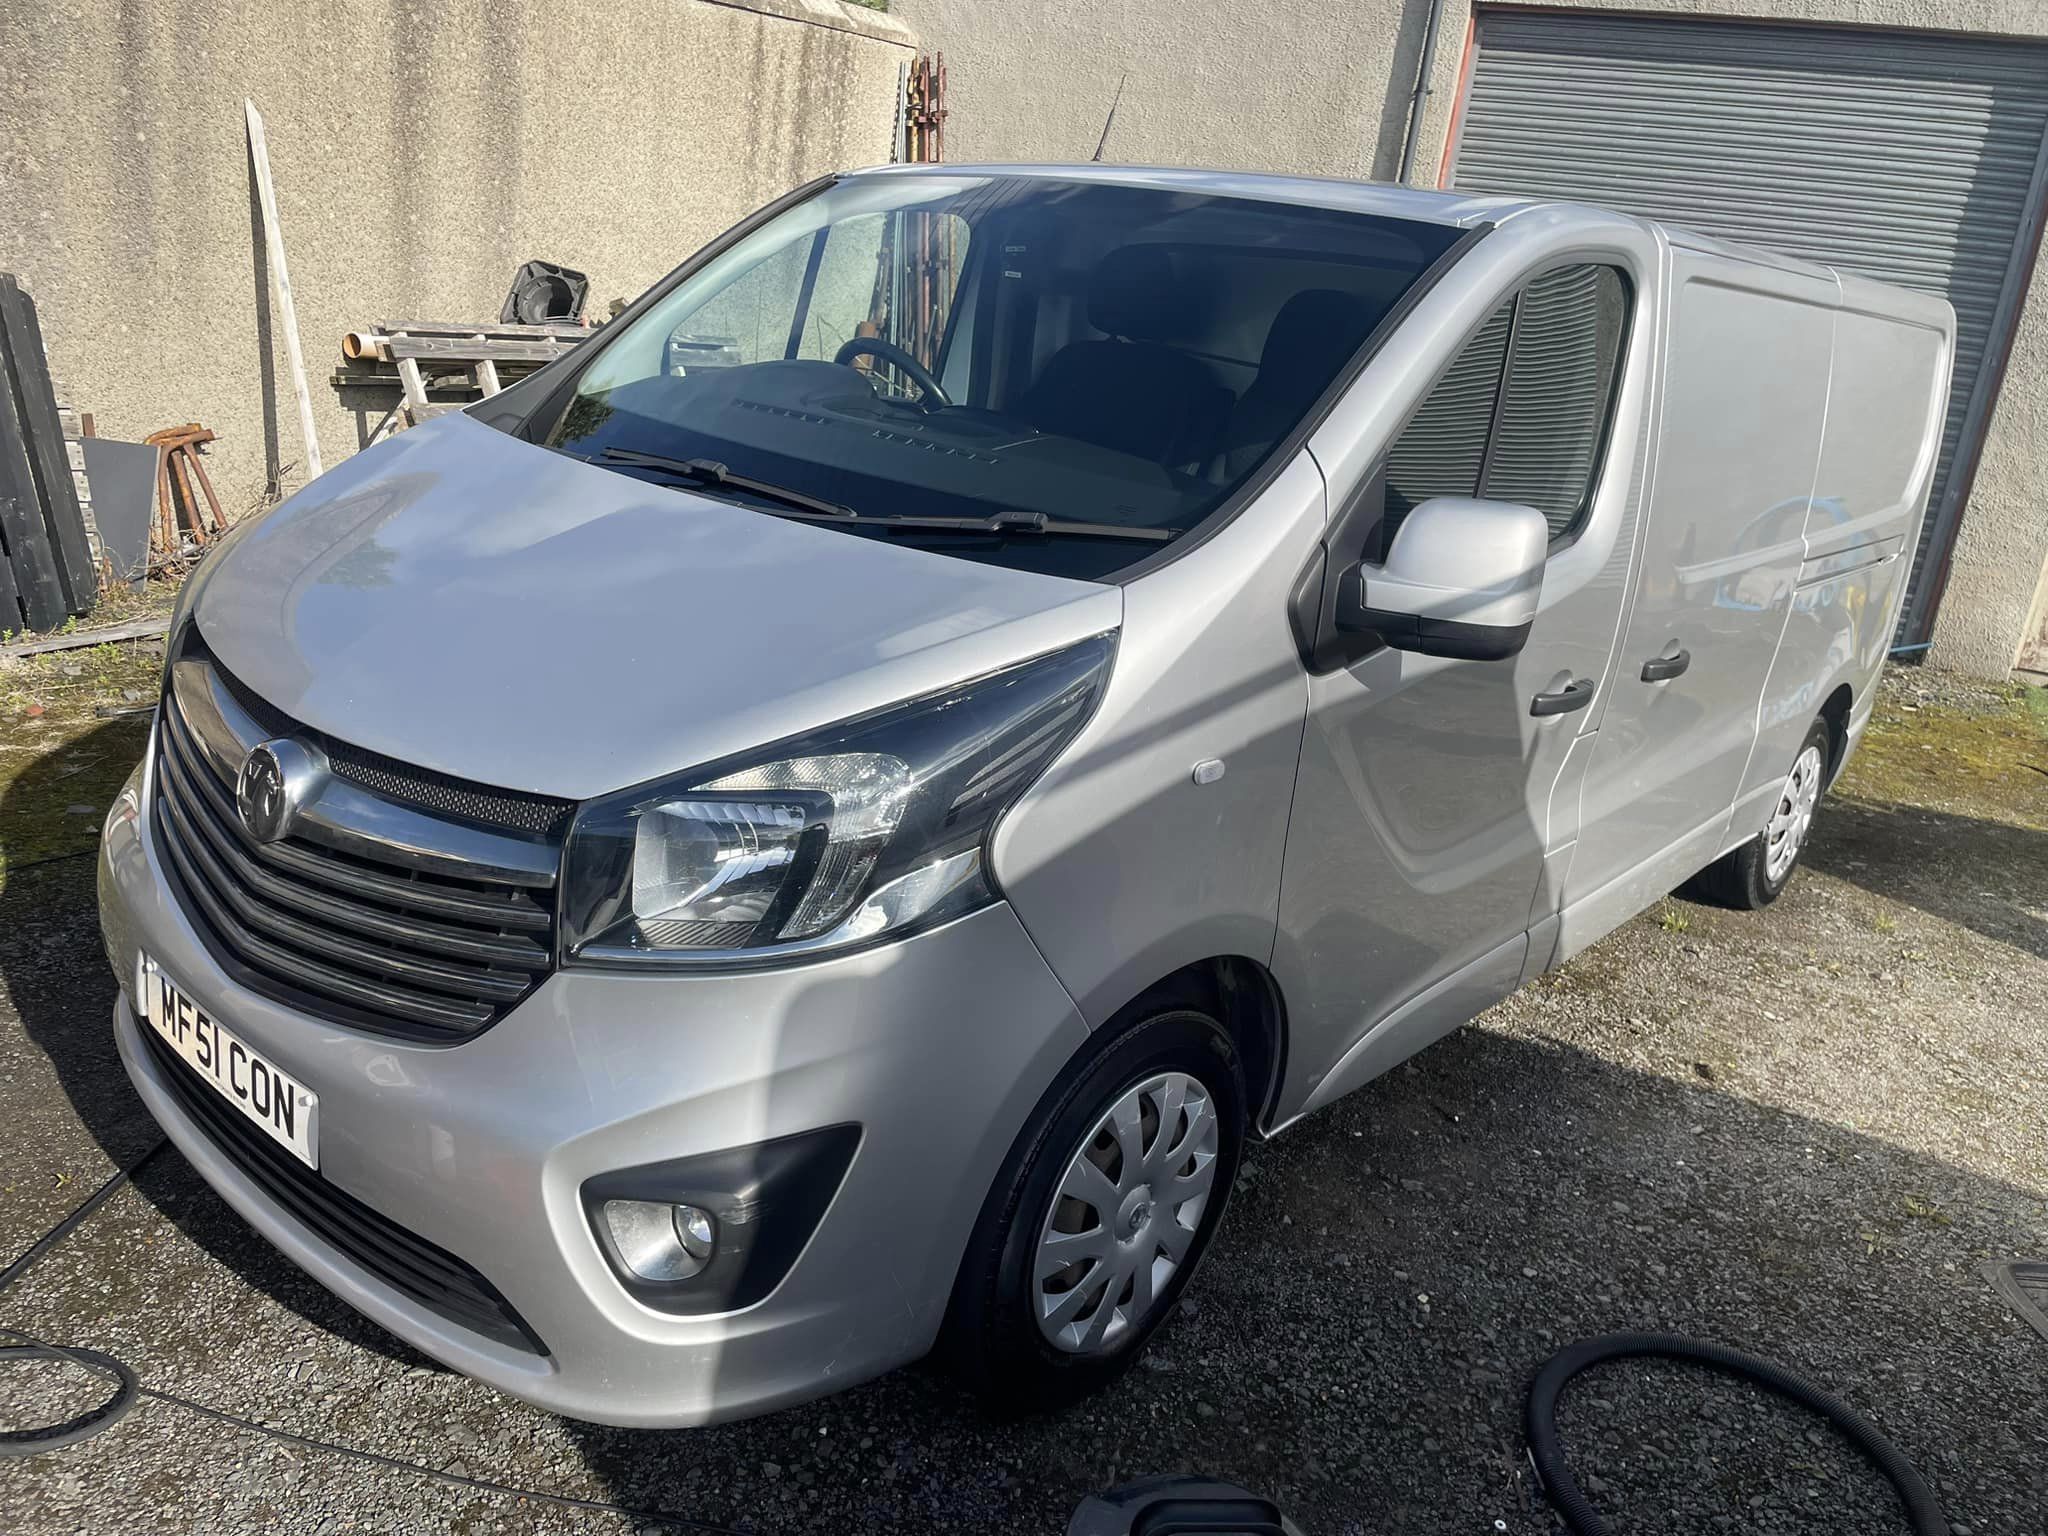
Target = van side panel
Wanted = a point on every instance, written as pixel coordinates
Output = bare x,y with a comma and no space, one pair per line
1877,458
1745,399
1121,866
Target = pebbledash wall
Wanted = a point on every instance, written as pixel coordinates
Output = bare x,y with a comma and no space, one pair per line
421,150
1324,88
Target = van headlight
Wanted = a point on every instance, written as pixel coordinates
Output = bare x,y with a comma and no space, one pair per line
860,832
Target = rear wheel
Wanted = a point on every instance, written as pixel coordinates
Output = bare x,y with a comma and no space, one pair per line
1100,1214
1755,874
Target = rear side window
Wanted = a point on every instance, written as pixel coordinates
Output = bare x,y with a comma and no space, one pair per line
1524,410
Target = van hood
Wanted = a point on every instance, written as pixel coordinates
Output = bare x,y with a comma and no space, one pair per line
464,601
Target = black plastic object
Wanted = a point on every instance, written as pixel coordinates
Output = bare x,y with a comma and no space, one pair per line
1574,695
1546,1449
2024,1285
543,291
1179,1506
1440,637
767,1200
1661,669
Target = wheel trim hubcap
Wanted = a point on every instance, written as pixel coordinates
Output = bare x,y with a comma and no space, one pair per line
1786,833
1124,1220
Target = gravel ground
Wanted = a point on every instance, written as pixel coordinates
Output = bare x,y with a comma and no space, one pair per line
1799,1132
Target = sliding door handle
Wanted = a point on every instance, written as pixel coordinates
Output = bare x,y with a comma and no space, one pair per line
1576,694
1661,669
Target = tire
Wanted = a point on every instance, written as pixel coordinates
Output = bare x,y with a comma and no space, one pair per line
994,1341
1756,874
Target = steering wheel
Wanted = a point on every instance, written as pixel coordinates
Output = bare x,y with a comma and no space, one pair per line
888,352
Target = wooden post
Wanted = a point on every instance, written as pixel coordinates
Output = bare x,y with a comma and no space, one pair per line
259,154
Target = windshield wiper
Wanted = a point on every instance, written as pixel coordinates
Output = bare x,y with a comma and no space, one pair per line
1019,521
710,472
812,509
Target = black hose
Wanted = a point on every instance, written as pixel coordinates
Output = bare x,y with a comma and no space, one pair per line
1546,1449
85,1208
33,1442
50,1437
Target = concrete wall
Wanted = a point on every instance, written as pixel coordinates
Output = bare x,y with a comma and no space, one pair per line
1318,86
1323,87
421,148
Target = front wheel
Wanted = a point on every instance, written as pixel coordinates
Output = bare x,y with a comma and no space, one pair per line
1756,874
1100,1214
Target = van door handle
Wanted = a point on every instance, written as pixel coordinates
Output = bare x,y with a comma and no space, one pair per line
1576,694
1661,669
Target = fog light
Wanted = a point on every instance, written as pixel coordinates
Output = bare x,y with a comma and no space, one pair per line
716,1231
661,1242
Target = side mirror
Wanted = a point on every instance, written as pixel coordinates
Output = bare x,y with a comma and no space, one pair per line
1461,580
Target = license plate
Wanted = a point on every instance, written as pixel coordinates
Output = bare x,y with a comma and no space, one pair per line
283,1108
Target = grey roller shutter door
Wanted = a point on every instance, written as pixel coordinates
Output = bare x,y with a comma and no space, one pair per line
1911,158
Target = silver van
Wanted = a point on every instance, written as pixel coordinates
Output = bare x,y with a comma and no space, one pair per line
812,829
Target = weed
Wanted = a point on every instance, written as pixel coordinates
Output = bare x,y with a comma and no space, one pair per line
1923,1208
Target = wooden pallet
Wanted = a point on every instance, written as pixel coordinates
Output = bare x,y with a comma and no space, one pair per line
476,350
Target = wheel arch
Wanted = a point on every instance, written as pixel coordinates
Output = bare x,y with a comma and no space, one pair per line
1835,711
1242,993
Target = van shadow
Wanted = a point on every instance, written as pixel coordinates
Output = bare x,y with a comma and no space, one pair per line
1388,1275
1391,1273
55,971
1990,877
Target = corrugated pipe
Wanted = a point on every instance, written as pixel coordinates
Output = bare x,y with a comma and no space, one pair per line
1421,97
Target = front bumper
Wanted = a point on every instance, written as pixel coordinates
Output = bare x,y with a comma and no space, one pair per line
937,1047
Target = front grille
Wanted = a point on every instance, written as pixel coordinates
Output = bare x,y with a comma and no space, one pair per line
507,809
406,1262
354,939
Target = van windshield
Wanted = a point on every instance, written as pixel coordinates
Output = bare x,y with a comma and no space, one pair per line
1058,375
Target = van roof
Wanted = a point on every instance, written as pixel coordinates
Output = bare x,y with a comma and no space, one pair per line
1425,204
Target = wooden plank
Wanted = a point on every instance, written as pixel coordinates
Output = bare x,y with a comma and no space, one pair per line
266,196
77,573
22,532
10,599
467,349
438,378
565,330
134,629
415,387
387,426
